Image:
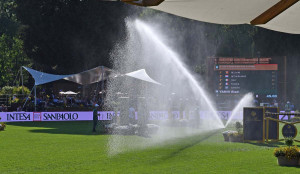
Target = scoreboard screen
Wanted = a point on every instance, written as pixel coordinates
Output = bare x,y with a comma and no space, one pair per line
260,79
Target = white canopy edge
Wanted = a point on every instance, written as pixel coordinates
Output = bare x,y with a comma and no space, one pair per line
234,12
142,75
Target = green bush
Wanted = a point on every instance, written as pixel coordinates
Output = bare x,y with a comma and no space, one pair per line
2,125
7,90
14,90
238,127
18,90
289,141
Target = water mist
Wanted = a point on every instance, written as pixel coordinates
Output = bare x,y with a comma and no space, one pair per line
144,49
246,101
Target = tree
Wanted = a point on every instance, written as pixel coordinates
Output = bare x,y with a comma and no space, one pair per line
12,58
69,36
8,21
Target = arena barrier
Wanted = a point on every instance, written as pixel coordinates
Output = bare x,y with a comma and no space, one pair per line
107,115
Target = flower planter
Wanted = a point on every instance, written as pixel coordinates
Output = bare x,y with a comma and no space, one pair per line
236,138
283,161
2,127
226,137
227,134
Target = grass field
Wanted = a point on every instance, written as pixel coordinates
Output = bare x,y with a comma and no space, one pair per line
70,147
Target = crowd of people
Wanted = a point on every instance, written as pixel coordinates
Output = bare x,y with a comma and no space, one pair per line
45,102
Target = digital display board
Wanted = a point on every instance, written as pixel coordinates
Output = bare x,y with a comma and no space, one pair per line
260,79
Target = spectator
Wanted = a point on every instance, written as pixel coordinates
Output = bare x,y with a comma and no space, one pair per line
95,117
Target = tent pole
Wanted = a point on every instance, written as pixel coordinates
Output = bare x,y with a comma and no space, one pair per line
102,85
27,98
34,97
22,79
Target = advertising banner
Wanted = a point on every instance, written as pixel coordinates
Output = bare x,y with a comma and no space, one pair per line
107,115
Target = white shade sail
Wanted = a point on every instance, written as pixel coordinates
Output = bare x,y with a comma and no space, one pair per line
237,12
90,76
142,75
42,78
87,77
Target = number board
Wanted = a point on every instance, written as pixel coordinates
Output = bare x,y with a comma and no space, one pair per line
273,125
254,124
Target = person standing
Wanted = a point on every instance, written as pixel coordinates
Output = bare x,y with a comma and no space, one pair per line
95,117
131,115
287,109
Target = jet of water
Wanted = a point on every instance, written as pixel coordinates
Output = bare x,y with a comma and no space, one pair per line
246,101
145,49
146,31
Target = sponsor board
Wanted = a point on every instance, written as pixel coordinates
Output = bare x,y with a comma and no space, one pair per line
16,116
158,115
64,116
108,115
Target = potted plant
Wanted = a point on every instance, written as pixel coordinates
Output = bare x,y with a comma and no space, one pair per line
238,135
227,134
2,126
288,155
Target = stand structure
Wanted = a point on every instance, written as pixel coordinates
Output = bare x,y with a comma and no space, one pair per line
288,130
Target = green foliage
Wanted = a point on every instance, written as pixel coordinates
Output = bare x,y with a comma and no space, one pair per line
58,33
200,69
11,58
7,90
21,90
10,90
289,141
8,20
290,152
238,127
3,125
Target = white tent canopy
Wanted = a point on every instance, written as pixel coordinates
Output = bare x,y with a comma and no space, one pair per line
42,78
278,15
86,77
90,76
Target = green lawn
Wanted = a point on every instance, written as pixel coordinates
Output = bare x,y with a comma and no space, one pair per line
70,147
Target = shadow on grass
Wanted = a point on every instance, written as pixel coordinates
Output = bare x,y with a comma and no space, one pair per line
196,140
270,144
71,127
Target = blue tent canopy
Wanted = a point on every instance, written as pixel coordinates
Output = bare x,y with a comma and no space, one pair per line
42,78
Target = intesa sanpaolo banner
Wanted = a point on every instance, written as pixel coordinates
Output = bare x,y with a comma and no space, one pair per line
108,115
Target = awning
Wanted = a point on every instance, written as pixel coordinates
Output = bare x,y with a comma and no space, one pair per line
278,15
42,78
90,76
86,77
